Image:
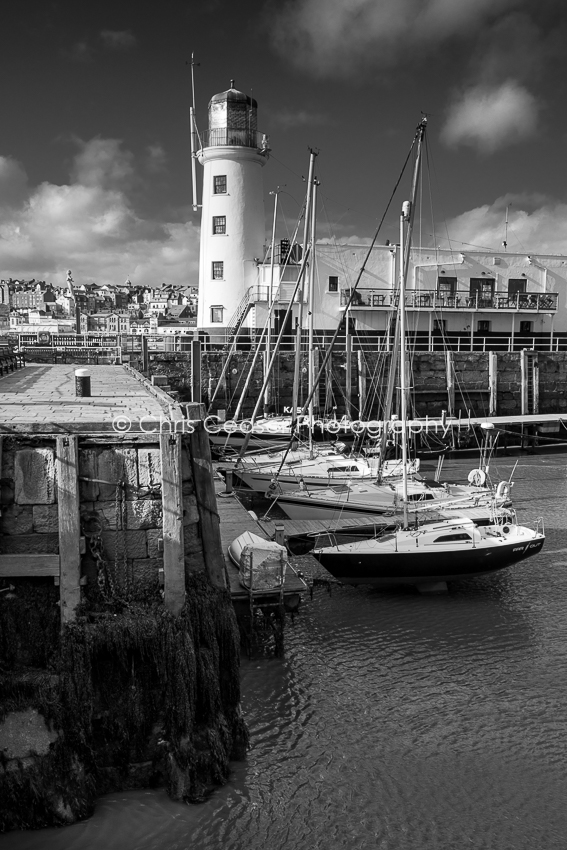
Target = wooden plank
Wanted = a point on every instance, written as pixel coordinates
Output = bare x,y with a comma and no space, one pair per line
12,566
172,504
69,527
202,468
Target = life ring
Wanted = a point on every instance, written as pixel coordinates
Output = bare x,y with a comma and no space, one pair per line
477,477
503,490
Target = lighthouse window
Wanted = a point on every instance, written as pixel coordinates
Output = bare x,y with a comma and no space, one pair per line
219,184
219,224
216,314
218,270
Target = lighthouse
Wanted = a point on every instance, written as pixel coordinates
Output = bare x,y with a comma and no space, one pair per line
232,154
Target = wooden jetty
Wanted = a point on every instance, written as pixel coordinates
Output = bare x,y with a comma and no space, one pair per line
234,520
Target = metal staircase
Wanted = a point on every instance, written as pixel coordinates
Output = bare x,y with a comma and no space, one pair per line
237,319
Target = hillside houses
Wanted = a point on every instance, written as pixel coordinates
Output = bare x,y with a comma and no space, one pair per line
29,305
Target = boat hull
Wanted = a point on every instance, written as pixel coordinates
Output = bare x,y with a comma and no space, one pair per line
395,568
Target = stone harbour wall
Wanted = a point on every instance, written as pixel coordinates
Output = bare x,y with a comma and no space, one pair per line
128,693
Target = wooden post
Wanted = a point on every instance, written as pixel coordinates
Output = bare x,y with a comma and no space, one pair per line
535,380
69,527
202,469
361,384
493,383
145,357
450,373
172,503
524,381
348,375
196,370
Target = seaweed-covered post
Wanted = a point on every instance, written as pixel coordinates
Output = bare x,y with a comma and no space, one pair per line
69,527
172,502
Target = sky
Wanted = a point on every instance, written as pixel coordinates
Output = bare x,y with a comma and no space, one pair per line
95,166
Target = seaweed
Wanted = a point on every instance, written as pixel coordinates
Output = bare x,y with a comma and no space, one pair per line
136,696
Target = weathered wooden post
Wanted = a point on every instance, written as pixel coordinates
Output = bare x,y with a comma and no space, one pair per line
493,383
196,388
202,468
172,504
69,527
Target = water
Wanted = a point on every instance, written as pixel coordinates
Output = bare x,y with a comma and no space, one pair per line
395,721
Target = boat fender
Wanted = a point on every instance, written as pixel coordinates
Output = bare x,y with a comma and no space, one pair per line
477,477
503,490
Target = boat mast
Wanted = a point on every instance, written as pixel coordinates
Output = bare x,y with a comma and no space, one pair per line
405,252
311,364
404,220
268,394
299,328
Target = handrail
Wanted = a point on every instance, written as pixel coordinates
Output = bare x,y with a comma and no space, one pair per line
460,300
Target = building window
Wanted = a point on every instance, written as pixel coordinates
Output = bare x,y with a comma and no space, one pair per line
219,184
525,327
439,326
516,285
216,314
219,224
446,286
218,270
482,291
483,326
333,283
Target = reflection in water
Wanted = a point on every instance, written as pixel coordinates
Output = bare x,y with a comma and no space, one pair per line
395,721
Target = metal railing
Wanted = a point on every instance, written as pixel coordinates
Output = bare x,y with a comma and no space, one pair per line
382,343
433,300
239,137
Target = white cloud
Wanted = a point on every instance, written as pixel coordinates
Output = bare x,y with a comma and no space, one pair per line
90,225
534,226
102,162
336,37
290,119
491,117
118,39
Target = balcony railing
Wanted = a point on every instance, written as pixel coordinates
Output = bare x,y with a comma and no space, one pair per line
433,300
281,293
232,136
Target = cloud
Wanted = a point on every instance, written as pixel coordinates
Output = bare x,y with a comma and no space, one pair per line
292,119
156,159
489,118
118,39
338,37
535,225
90,225
13,182
81,52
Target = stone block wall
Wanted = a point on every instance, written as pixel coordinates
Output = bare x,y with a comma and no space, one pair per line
120,504
428,380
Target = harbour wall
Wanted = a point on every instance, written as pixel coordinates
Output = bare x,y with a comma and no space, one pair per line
517,381
126,673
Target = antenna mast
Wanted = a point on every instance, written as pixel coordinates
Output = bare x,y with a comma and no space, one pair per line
194,135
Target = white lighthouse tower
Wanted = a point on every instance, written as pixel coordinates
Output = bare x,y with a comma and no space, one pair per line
232,221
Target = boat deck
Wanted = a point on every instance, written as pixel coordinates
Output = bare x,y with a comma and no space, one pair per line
234,520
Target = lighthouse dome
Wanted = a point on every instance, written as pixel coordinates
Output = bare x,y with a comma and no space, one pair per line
234,96
233,118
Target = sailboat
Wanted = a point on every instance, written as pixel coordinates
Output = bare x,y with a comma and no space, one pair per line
428,553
